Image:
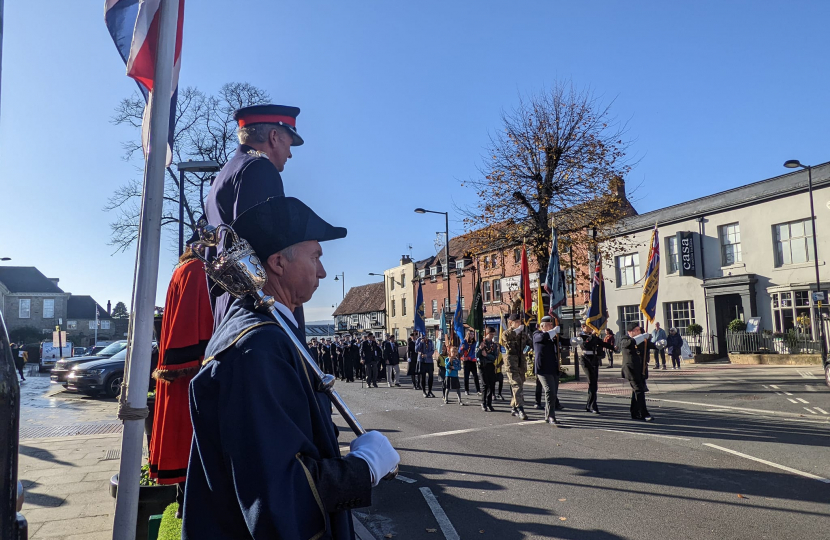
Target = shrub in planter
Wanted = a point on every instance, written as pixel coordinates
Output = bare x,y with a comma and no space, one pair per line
152,499
736,325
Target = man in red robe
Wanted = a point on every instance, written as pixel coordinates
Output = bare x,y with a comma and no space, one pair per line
186,328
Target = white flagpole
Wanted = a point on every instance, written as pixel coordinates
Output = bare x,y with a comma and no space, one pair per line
133,409
94,343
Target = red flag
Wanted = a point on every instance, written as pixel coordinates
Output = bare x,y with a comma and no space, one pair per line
524,286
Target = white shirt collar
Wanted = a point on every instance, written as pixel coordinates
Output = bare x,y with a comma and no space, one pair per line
285,312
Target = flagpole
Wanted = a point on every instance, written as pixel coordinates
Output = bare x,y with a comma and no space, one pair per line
133,406
95,342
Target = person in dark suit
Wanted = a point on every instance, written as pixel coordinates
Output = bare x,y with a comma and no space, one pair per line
313,349
370,357
351,358
266,134
391,358
634,348
592,348
325,354
546,346
412,362
265,461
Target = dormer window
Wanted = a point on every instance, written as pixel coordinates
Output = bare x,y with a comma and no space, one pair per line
433,271
459,265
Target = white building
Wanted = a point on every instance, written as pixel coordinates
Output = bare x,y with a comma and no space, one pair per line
742,253
400,298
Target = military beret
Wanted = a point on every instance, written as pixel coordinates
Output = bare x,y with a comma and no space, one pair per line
514,317
282,115
547,318
632,326
280,222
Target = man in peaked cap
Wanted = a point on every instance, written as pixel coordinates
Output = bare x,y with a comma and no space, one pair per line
265,461
266,134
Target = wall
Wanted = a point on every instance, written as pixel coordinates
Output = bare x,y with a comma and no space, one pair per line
11,312
397,291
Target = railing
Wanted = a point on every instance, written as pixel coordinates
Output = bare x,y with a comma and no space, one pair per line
791,342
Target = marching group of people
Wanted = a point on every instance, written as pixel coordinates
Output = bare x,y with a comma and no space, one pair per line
493,359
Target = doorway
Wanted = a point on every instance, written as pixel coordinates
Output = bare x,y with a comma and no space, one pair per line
728,307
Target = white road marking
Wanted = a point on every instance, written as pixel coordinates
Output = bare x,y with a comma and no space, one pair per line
808,409
779,394
406,479
440,515
806,374
645,434
822,411
770,463
795,417
791,400
774,386
802,401
765,386
787,393
469,430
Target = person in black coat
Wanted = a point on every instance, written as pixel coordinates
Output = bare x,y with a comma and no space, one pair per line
487,353
468,361
634,348
265,460
370,358
546,352
391,358
325,355
412,361
592,347
314,349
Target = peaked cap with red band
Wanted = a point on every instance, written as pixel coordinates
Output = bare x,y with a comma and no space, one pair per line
282,115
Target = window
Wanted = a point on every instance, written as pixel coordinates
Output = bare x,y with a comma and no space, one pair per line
71,325
793,310
485,291
680,315
48,308
434,308
433,271
463,303
403,279
672,260
24,311
374,316
459,265
486,263
105,325
494,260
92,324
730,244
393,308
630,314
422,273
496,290
354,319
628,269
794,242
391,283
403,307
517,255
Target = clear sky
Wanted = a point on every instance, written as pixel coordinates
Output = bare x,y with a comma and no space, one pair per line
398,99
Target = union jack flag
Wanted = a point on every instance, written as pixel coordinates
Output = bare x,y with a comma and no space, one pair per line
134,27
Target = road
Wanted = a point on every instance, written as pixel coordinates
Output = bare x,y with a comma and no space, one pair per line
735,452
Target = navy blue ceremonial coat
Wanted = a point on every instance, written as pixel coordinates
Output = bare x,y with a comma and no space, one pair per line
265,462
245,181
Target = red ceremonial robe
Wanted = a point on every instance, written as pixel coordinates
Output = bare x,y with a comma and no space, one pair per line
186,327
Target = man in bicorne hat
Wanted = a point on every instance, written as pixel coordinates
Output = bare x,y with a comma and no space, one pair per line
265,461
266,134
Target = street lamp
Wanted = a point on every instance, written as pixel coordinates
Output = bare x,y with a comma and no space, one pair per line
190,166
341,278
795,164
446,246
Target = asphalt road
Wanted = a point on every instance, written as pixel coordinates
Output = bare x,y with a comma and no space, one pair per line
735,452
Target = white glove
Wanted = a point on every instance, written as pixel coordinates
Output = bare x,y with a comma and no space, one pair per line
578,341
553,333
640,338
376,450
556,330
519,329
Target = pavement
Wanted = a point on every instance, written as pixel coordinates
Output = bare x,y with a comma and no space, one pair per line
735,452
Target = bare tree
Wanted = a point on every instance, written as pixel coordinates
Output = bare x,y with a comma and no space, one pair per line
559,160
204,130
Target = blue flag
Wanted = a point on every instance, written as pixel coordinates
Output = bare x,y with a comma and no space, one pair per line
598,310
555,279
457,319
420,323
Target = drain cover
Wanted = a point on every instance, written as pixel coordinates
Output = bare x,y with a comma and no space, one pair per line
111,454
44,432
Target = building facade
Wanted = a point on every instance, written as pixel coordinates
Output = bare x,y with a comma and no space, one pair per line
81,322
31,300
740,254
362,310
400,298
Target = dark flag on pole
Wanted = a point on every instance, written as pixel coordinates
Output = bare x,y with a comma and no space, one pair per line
598,310
555,278
420,323
524,284
475,319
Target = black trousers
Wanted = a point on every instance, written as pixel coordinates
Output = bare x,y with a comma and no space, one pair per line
609,354
20,370
372,372
488,376
500,381
657,354
470,367
348,369
327,368
360,370
426,375
638,393
592,370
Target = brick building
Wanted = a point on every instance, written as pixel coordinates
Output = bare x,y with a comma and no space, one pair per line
80,322
31,300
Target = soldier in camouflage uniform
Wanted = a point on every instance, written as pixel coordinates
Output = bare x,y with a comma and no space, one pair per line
517,340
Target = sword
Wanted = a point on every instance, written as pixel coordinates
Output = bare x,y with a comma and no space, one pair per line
239,271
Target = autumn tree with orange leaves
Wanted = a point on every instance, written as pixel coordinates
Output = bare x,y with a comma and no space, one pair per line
559,160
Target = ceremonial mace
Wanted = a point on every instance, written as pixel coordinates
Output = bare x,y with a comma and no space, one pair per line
239,271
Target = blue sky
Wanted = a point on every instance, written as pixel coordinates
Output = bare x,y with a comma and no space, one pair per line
398,100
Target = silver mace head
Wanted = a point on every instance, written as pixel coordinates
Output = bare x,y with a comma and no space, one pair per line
237,269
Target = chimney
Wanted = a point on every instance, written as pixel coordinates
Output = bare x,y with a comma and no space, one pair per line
405,260
617,186
109,307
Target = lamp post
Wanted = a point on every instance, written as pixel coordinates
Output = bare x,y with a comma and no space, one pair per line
795,164
446,246
341,277
190,166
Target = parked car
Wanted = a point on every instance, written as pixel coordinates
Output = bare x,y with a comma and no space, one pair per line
402,349
104,376
63,367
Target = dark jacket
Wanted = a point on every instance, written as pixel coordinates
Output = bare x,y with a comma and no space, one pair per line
487,352
590,350
545,354
632,354
411,355
390,353
675,341
265,461
370,352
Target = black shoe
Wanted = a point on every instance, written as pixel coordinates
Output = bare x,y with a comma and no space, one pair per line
649,418
484,407
539,406
596,411
467,392
397,384
522,415
490,407
553,420
431,394
426,395
514,412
